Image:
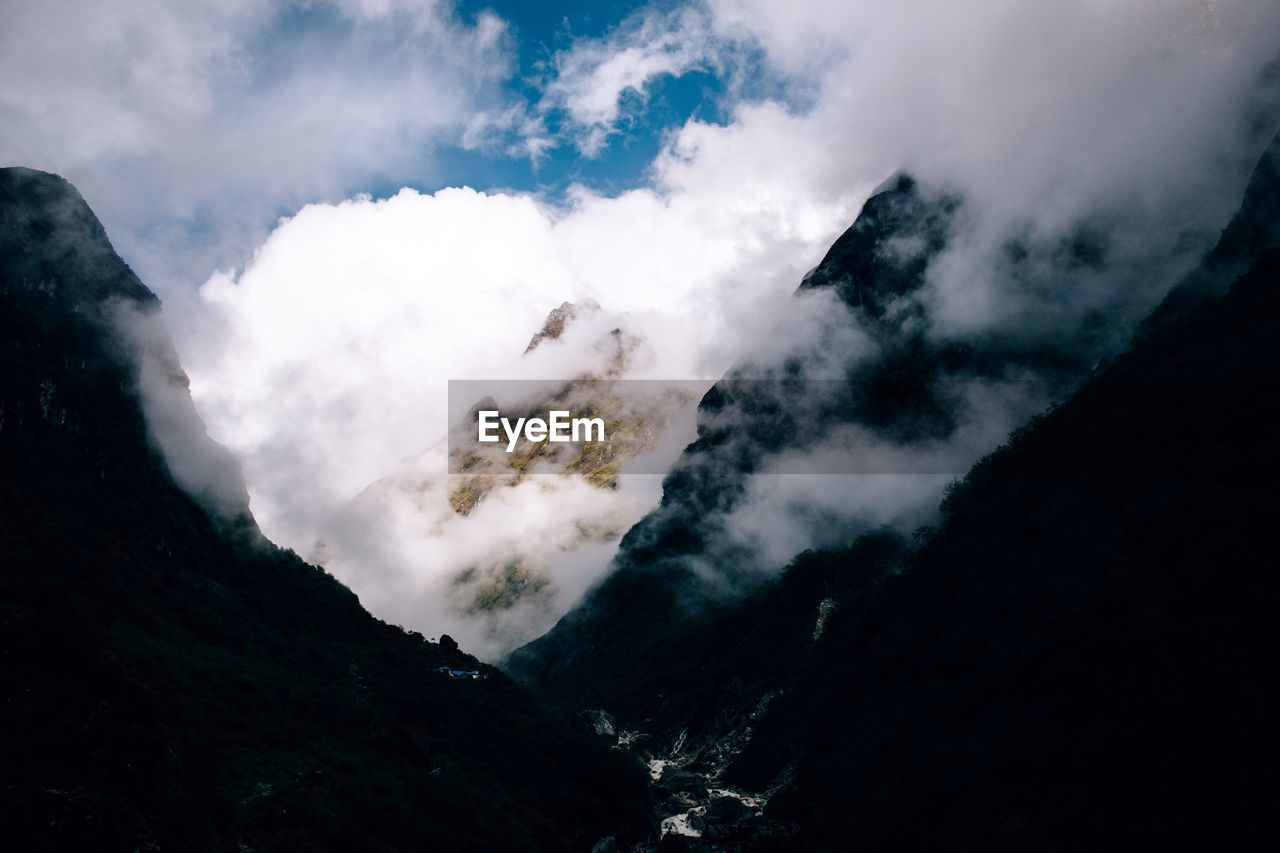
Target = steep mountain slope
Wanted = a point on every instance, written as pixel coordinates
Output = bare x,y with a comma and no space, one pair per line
1077,659
1253,231
868,385
1072,661
174,682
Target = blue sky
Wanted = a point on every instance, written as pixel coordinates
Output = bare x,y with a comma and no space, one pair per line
193,127
540,30
539,33
537,37
669,101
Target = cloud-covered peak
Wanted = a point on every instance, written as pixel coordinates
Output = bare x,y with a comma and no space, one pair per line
730,141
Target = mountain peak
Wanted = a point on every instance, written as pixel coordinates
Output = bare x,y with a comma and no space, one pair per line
171,688
558,320
885,252
49,235
72,294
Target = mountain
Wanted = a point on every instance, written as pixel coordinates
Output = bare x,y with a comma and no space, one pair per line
173,681
1253,231
1074,659
491,540
559,318
868,384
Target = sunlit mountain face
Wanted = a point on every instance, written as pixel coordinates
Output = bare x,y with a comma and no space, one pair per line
815,281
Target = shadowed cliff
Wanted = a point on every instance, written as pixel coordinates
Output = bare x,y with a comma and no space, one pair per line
172,683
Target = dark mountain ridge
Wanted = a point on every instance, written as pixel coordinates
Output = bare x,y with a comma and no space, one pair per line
171,683
1253,231
910,392
1072,661
1075,660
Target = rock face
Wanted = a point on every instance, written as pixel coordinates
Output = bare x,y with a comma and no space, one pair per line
633,422
598,723
896,387
506,583
173,684
1072,659
55,245
885,253
61,268
558,320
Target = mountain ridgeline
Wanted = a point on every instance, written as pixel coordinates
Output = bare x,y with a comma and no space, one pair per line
1072,660
171,680
896,387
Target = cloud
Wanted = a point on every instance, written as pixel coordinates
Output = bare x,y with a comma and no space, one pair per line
323,366
191,127
1086,130
415,562
201,467
512,130
1097,149
831,479
598,80
1114,130
1021,103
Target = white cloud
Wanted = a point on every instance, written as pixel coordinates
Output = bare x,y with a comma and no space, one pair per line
491,131
1039,102
189,127
322,361
323,364
594,78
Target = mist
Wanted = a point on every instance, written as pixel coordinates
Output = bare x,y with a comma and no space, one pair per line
1092,151
208,472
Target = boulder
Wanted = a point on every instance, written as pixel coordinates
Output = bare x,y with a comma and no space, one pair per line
727,810
596,722
674,780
